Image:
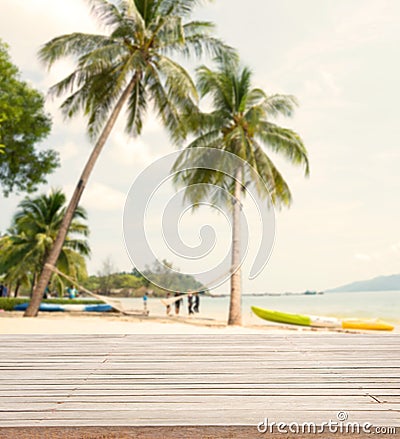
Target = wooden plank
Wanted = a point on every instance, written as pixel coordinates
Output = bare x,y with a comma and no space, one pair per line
390,399
199,417
384,388
31,395
117,380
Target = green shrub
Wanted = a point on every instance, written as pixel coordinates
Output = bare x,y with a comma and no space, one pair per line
8,303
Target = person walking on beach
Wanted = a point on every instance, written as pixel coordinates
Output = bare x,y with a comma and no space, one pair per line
145,302
190,304
168,306
178,303
196,307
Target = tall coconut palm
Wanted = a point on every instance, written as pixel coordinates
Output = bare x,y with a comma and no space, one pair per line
239,123
131,66
31,236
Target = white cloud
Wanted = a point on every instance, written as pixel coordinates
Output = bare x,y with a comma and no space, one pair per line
395,247
369,21
382,254
60,70
353,24
128,152
362,257
100,197
68,151
39,21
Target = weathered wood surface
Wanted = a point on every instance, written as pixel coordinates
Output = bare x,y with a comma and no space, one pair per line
219,380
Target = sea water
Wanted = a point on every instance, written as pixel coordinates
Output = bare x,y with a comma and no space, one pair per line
384,305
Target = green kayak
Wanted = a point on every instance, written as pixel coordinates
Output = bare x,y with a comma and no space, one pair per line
281,317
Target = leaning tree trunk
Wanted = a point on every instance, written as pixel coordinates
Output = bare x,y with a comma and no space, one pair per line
55,251
235,306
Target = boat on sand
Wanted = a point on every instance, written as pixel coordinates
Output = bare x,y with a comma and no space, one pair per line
320,322
54,307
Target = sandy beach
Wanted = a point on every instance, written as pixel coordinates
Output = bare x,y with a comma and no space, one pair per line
82,323
46,323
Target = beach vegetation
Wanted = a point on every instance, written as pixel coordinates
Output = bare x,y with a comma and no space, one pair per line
24,124
163,276
26,244
123,284
134,284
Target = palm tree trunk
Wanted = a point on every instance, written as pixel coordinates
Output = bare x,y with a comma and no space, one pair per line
17,289
235,306
55,251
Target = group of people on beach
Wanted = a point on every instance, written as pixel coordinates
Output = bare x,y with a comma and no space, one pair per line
193,303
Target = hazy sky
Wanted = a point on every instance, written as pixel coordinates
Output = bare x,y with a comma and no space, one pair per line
338,57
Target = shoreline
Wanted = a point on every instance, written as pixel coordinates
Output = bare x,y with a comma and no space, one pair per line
12,322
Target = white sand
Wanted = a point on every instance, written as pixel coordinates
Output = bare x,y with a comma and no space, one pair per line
14,323
82,323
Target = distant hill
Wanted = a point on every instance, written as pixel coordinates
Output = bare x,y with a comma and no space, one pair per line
380,283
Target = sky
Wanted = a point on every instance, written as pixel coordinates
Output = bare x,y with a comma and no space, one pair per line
338,57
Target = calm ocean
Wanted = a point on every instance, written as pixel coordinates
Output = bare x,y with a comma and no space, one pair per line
384,305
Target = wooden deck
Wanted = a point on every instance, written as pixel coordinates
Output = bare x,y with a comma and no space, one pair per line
198,380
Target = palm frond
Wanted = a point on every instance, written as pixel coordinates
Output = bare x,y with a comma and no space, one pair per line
176,78
137,106
183,8
241,88
199,40
105,90
74,44
210,82
278,104
285,142
106,12
274,184
168,103
167,31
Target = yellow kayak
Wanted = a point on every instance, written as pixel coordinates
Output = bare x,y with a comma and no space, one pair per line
377,325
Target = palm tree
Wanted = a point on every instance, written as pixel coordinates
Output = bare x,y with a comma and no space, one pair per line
131,66
240,123
13,275
30,238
